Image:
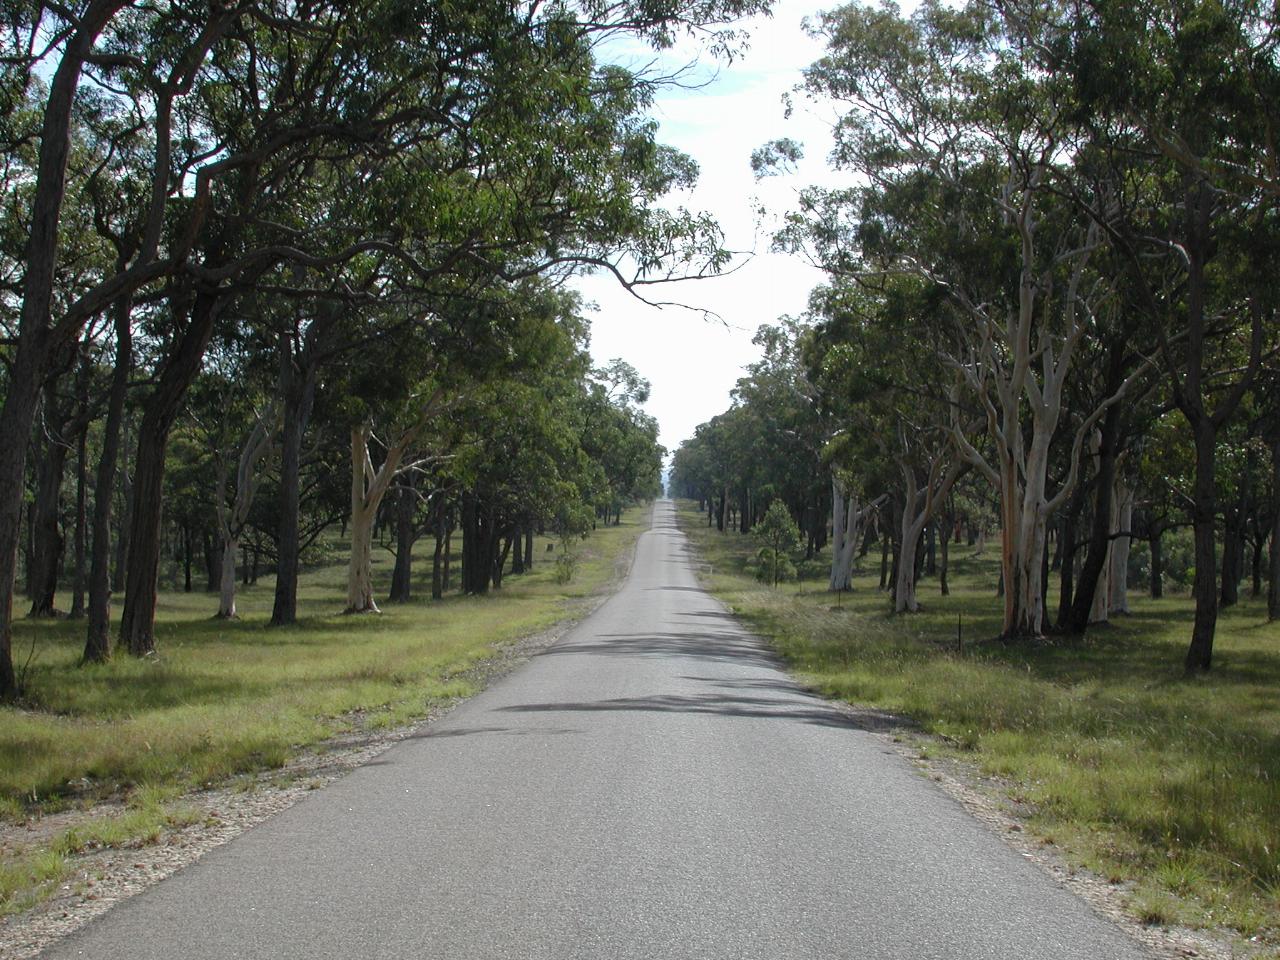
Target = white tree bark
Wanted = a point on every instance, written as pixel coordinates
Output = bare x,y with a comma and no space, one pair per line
919,507
232,518
848,525
368,487
227,582
1119,554
1001,371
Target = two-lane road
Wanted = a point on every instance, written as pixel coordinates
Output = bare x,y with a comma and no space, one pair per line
652,786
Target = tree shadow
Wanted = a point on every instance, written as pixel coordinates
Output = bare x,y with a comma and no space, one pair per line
801,709
712,647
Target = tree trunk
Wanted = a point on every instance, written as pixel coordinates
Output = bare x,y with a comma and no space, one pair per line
1155,542
884,559
212,562
402,575
97,648
360,567
227,580
79,575
1273,582
120,572
517,555
1259,546
27,369
1204,514
1232,549
47,541
528,549
943,566
137,623
447,583
500,562
1067,549
368,487
1119,591
297,393
437,558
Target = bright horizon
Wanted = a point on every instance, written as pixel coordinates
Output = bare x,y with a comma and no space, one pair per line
693,363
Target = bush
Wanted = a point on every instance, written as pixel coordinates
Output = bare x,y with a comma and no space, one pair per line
779,538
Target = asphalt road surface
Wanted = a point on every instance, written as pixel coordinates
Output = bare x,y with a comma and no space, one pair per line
652,786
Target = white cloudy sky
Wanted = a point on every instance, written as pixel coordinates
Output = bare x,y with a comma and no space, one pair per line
693,363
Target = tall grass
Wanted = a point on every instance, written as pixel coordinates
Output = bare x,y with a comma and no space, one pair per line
1167,782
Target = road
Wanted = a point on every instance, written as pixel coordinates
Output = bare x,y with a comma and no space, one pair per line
652,786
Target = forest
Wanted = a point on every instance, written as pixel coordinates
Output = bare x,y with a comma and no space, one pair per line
1050,316
272,269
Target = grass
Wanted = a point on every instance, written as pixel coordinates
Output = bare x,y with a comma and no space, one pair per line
234,697
1167,783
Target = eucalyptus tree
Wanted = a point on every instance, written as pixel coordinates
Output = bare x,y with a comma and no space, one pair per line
620,437
237,105
964,147
789,430
1191,88
878,369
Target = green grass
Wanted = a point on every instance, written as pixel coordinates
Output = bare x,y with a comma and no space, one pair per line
232,697
1136,771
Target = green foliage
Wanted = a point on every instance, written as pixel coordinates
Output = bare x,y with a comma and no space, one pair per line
779,538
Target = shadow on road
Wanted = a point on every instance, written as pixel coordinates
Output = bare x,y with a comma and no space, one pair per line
710,646
801,709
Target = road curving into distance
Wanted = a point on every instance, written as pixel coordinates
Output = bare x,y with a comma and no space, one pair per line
653,786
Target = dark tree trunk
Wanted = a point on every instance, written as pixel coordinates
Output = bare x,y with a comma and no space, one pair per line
120,573
500,561
188,550
1067,556
884,559
478,550
48,543
437,557
1273,583
297,390
33,346
1259,547
448,549
212,562
1100,532
1204,514
931,550
402,575
528,549
944,561
517,555
244,563
79,575
137,622
1233,545
97,647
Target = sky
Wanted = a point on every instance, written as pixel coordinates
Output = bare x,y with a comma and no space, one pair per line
693,362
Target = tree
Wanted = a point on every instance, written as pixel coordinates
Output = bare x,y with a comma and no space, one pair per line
964,148
779,538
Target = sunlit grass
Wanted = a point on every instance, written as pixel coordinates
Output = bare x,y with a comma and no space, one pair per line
1137,771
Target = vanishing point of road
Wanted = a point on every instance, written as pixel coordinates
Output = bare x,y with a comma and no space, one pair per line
650,787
